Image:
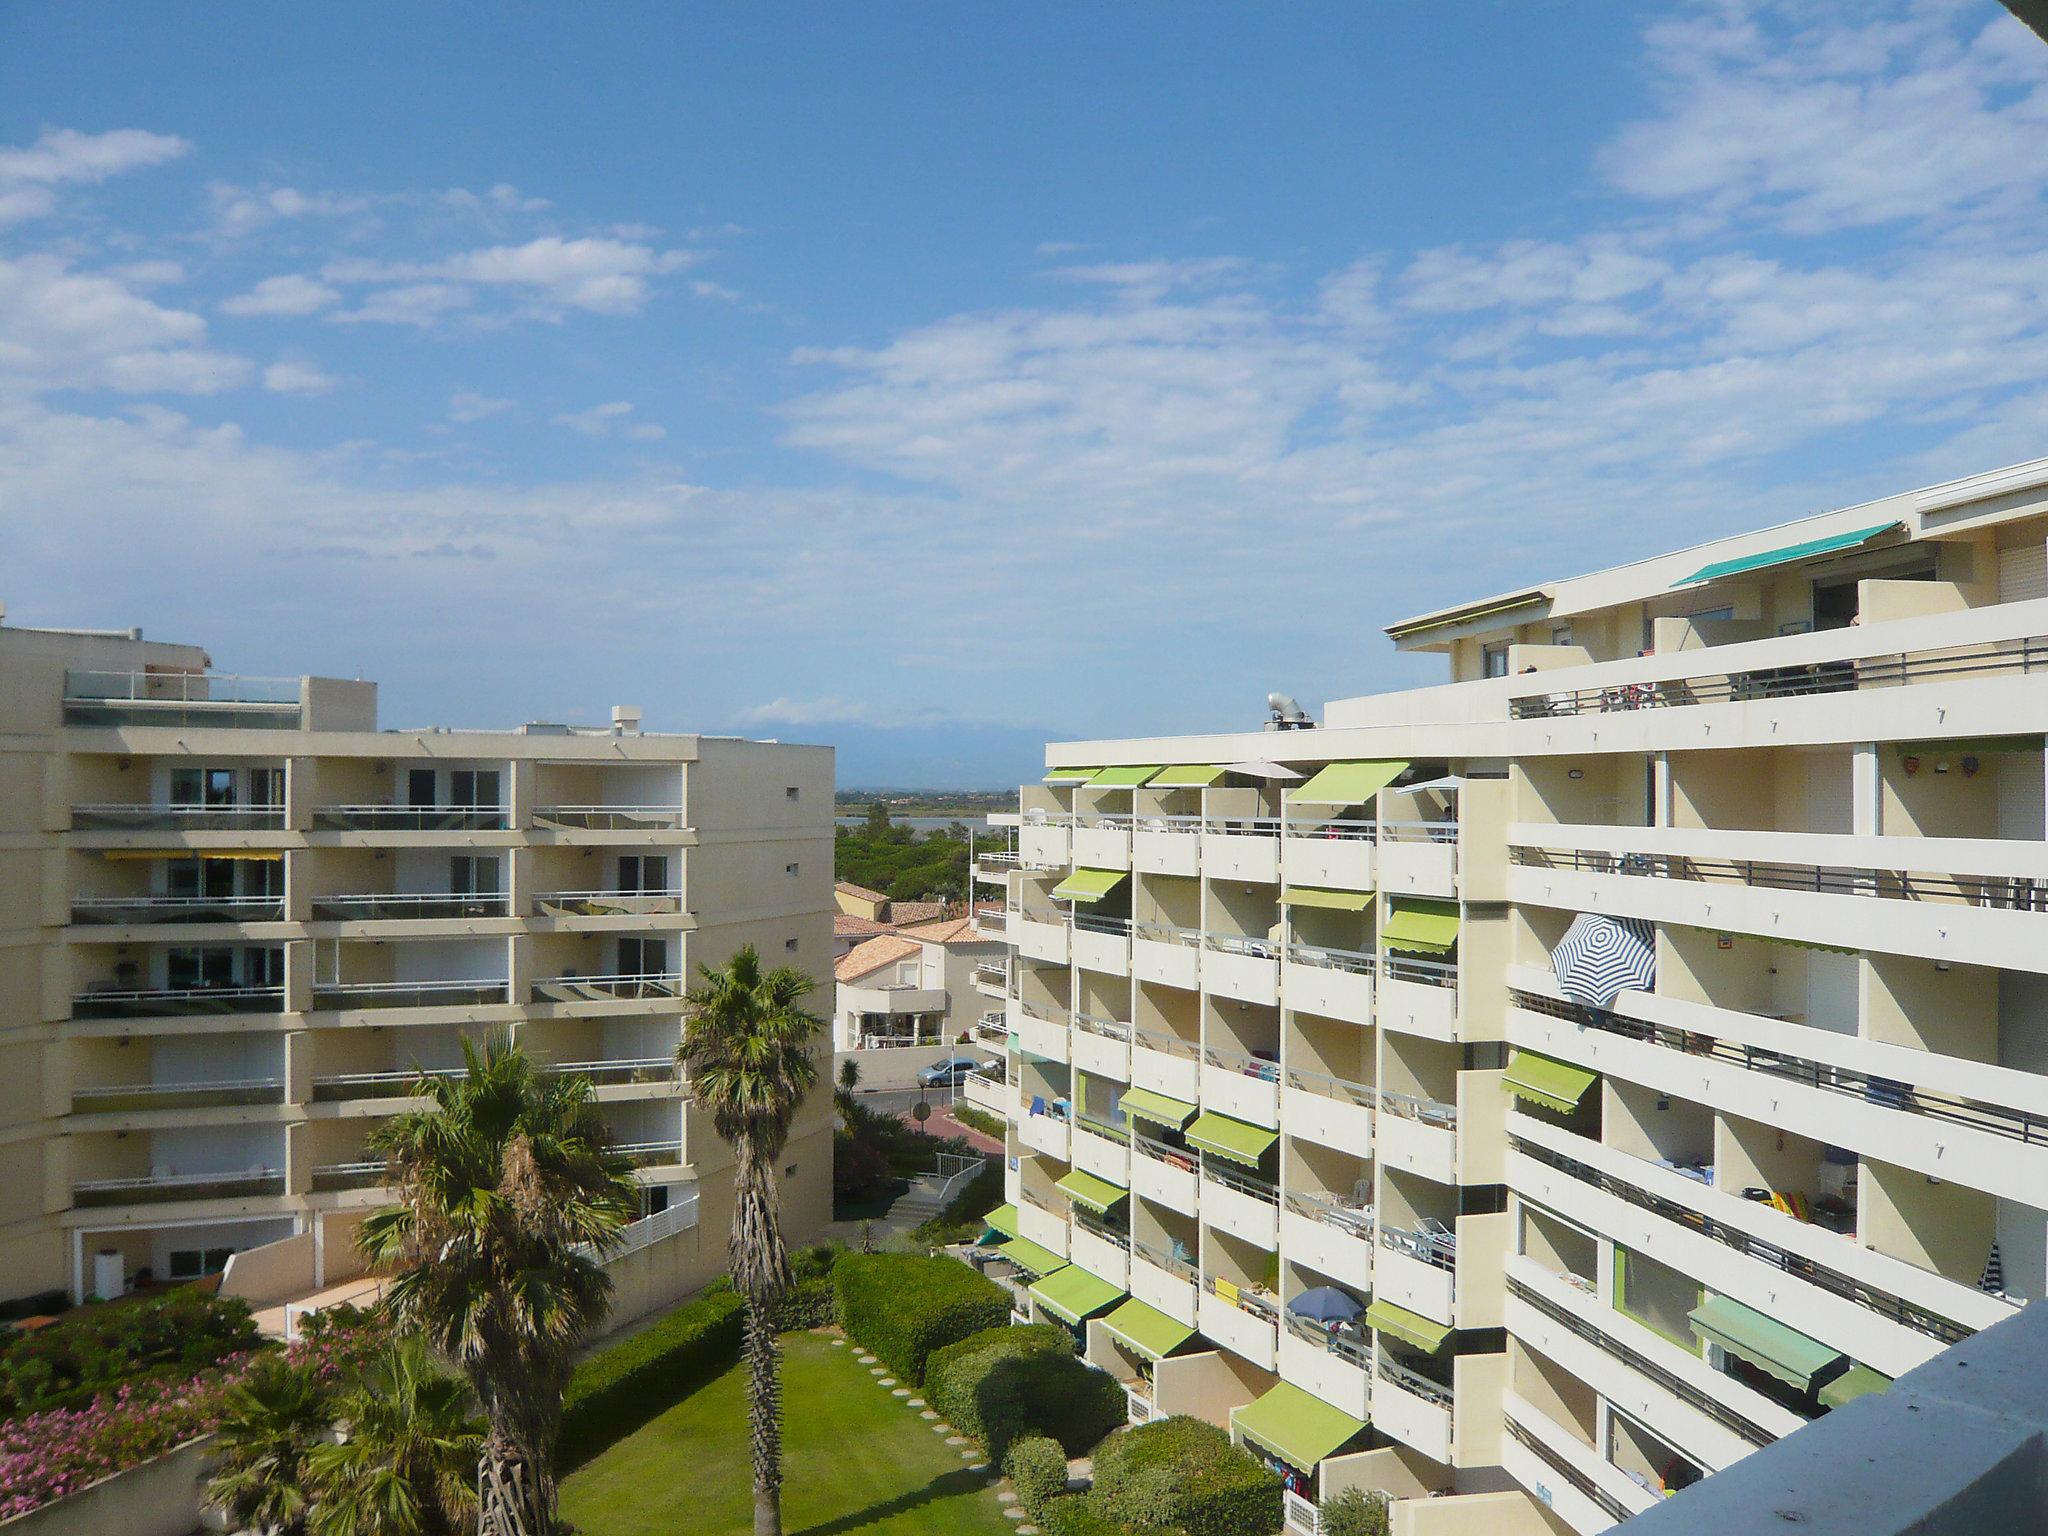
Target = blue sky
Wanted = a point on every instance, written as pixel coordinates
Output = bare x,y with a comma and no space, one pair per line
886,373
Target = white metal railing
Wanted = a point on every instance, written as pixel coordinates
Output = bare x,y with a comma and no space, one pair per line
235,1090
1355,962
414,906
408,994
149,686
680,1216
1394,1372
1299,1514
177,909
365,1173
618,1069
145,1002
648,1153
1436,1245
1242,826
1242,944
1162,933
1103,821
377,1085
1242,1061
1353,1219
573,988
1241,1295
611,818
1428,973
1330,828
1418,831
410,818
1109,1029
611,903
1328,1087
262,1180
1166,1044
1216,1171
1169,824
1181,1157
177,818
1411,1107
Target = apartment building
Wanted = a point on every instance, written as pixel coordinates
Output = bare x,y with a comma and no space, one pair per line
1543,1090
237,918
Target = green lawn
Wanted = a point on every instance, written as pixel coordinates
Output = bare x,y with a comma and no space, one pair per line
854,1460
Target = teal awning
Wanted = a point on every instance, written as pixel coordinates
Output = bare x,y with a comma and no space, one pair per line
1764,1342
1812,548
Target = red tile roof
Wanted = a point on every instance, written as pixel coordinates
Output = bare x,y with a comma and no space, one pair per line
865,959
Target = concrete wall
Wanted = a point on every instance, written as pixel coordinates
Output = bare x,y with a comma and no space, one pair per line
276,1271
158,1498
1207,1386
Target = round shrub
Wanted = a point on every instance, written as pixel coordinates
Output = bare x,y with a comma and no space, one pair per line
1037,1469
1355,1512
1009,1382
904,1306
1071,1514
1183,1472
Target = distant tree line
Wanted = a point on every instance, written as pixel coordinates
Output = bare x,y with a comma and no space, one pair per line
886,856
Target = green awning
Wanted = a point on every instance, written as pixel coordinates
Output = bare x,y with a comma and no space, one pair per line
1411,1328
1336,901
1085,1189
1234,1139
1074,1295
1026,1254
1970,746
1785,556
1763,1341
1347,783
1147,1329
1003,1219
1089,884
1826,949
1485,608
1857,1381
1188,776
1544,1080
1297,1426
1420,927
1122,778
1157,1108
1064,776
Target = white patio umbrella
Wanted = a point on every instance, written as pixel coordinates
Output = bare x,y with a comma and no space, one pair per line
1601,957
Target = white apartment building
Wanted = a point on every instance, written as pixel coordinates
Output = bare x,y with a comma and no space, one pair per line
236,918
1325,1130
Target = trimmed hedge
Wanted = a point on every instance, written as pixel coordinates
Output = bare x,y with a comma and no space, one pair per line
904,1306
981,1120
1008,1382
1183,1472
1074,1514
617,1390
1037,1469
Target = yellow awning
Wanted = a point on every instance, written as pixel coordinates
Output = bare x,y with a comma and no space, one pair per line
171,855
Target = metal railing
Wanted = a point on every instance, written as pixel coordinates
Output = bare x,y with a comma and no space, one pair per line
159,1187
609,903
1147,822
112,1098
1885,1092
1162,933
611,818
992,975
1418,831
1218,1172
1609,1504
1095,1226
1239,1294
1165,1043
1182,1158
2001,892
648,1154
1642,1365
1241,944
1160,1258
365,1173
1427,973
1894,1308
125,910
1325,1086
1332,828
1352,961
1346,1346
1103,821
1394,1373
1109,1029
174,1002
1848,674
679,1216
179,698
410,818
377,1085
1095,922
408,994
1409,1107
177,818
372,907
635,988
1352,1220
1243,1062
1439,1249
1045,1013
1242,826
617,1071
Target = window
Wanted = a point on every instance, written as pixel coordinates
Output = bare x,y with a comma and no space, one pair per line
653,1199
476,787
191,1263
789,946
1493,660
644,873
213,879
789,869
263,878
419,786
473,875
264,967
202,786
266,787
790,793
187,968
1561,635
643,957
1657,1296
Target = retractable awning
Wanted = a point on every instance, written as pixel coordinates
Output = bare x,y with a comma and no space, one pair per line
1411,1328
1420,927
1857,1381
1147,1330
173,855
1097,1195
1157,1107
1543,1080
1335,901
1089,884
1764,1342
1074,1295
1066,776
1764,560
1188,776
1234,1139
1297,1426
1026,1254
1002,1219
1124,777
1347,783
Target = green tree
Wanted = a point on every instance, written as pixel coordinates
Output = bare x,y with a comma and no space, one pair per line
878,822
748,1052
508,1191
408,1464
269,1425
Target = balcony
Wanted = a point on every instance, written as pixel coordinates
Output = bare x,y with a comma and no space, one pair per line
1330,1235
989,1091
424,907
1168,955
1102,1046
1335,854
1417,1135
891,1002
1166,1280
1538,1462
333,1178
1333,1364
1240,1204
1412,1408
1040,933
1044,1128
651,1154
1245,848
1336,983
991,978
635,988
1102,943
1241,967
174,1002
609,818
162,1188
1039,1222
354,995
1164,1174
1100,1249
1418,997
1241,1085
196,699
1101,1149
410,818
991,922
141,1098
1418,858
1102,841
177,818
141,911
1041,1030
609,903
1330,1111
1166,1064
1242,1318
1417,1268
1167,845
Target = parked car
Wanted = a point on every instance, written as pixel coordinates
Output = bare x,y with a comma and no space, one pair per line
947,1072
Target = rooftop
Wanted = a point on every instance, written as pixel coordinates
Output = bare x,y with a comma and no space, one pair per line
867,958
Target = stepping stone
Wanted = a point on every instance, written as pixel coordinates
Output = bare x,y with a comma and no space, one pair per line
890,1381
1006,1497
839,1343
1013,1513
878,1370
901,1392
956,1439
867,1359
979,1466
915,1402
1027,1529
943,1428
970,1454
927,1414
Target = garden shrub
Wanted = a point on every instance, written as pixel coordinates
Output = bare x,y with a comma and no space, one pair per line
1074,1514
1355,1512
1037,1469
619,1389
1183,1472
69,1363
808,1303
904,1306
977,1119
1009,1382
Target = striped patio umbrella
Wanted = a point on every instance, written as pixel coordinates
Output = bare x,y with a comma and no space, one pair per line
1603,956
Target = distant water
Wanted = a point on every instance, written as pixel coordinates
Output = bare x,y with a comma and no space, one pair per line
977,824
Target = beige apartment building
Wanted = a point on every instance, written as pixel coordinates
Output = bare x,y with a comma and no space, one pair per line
1543,1090
237,918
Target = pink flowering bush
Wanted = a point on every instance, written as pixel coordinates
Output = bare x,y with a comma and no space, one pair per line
44,1456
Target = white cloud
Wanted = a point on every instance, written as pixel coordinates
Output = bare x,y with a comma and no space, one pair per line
611,420
597,275
65,329
827,710
417,304
289,293
65,155
290,378
466,405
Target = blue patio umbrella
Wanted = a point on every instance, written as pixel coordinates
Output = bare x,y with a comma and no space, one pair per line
1325,1304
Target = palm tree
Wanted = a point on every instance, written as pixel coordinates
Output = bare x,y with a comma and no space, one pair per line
269,1425
508,1193
747,1049
842,1095
406,1467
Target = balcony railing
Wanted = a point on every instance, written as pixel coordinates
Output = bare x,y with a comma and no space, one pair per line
611,818
1436,1244
1426,973
1163,933
997,975
1894,1308
650,1154
1418,831
1341,1342
1887,1093
1260,1067
410,818
132,1098
377,1085
1093,922
1169,824
408,994
133,911
1182,1158
1214,1171
1409,1107
1242,826
1095,1226
1045,1013
180,698
1160,1258
636,988
153,1189
1166,1044
177,818
174,1002
617,1070
1325,1086
1108,1029
1353,961
1609,1504
363,1174
609,903
413,907
1392,1371
2010,893
1353,1220
1243,1296
1317,828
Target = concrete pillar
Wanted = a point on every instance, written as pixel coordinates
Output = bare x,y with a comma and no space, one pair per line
300,959
520,891
521,778
298,1158
519,968
1866,792
298,1067
300,785
298,885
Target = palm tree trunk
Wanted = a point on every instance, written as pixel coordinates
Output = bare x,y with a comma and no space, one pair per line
764,1417
760,1270
512,1498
